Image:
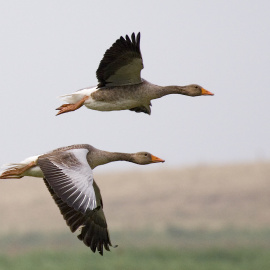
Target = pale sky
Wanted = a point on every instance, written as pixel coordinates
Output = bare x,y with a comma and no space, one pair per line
51,48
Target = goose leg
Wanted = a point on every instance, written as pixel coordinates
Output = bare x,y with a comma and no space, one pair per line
17,172
71,107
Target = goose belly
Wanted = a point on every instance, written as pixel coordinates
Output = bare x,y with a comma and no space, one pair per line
115,105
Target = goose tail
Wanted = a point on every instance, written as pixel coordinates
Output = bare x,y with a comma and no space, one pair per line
69,98
78,95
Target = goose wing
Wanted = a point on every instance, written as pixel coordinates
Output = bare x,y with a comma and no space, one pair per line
94,230
70,176
122,63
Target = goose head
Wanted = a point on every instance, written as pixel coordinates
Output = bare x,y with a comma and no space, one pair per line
144,158
194,90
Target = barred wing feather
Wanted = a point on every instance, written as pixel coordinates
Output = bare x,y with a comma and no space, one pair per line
70,176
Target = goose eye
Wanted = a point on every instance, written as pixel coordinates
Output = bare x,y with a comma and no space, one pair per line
145,155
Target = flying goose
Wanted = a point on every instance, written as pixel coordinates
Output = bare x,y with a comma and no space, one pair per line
120,86
67,173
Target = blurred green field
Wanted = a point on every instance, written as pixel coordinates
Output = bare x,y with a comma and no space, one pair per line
200,218
150,258
180,249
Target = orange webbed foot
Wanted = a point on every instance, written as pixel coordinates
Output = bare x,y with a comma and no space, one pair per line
66,108
17,172
71,107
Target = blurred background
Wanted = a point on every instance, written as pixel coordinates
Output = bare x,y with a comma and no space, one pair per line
207,206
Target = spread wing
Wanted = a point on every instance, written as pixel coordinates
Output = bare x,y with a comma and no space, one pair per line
122,63
94,232
70,177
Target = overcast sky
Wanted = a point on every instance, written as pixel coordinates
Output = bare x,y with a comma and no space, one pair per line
50,48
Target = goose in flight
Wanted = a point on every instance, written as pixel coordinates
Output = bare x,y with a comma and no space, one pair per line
120,86
67,173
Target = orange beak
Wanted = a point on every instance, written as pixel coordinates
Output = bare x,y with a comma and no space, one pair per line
205,92
156,159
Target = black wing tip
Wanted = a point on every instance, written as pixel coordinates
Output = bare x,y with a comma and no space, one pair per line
133,36
92,238
138,38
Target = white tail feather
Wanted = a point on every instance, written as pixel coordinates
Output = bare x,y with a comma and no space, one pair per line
78,95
